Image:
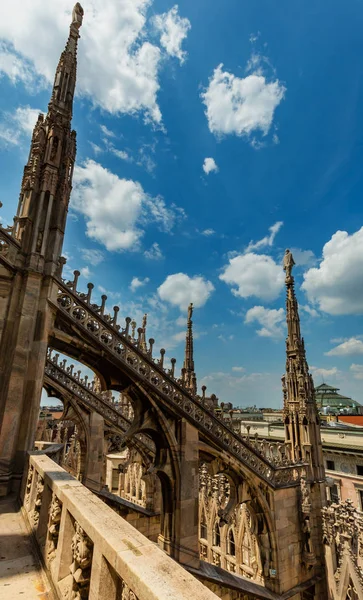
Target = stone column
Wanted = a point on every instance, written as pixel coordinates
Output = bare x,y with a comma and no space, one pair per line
28,322
186,517
93,476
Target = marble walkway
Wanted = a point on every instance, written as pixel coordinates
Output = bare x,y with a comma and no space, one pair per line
21,575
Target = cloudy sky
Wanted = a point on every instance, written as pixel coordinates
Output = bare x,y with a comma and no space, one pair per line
211,136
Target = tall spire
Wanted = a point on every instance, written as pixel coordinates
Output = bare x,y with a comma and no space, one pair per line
47,181
302,429
65,75
190,379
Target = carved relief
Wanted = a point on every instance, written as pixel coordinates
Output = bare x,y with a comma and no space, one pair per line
28,487
228,530
55,514
82,551
38,501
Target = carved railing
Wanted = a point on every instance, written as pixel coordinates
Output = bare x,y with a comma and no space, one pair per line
91,552
276,452
9,246
343,540
64,377
136,359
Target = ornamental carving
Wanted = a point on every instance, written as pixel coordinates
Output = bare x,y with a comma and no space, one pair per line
38,501
55,514
82,551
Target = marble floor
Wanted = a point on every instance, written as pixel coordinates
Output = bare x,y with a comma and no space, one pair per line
21,575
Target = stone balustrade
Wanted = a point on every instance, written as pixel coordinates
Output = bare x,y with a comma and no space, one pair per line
89,551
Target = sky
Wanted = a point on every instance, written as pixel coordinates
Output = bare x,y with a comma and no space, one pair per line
210,137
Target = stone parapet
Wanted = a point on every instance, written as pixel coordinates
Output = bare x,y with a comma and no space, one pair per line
91,552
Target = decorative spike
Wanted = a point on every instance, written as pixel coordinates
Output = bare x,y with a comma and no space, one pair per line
85,379
75,280
162,354
142,336
103,298
127,328
49,353
115,312
71,367
151,344
139,336
78,375
56,358
133,329
204,389
90,287
172,370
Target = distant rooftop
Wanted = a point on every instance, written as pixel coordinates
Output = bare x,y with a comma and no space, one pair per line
327,395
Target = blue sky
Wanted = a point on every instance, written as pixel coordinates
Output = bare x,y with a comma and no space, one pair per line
211,136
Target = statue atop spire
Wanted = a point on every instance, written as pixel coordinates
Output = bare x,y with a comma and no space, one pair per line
65,76
288,263
302,431
190,379
77,15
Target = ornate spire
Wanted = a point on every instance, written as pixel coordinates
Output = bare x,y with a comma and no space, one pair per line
190,379
300,388
65,76
302,429
47,181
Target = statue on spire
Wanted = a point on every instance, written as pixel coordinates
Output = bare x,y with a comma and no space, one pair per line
190,311
77,15
288,263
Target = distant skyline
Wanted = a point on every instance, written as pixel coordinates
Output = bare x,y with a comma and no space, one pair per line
210,137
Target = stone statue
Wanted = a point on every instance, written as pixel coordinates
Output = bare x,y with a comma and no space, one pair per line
77,15
288,263
190,311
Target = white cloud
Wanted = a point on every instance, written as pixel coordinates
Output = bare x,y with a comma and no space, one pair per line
120,154
337,284
357,371
241,106
93,256
118,66
96,149
136,283
208,232
174,29
107,132
18,124
254,275
238,369
116,210
179,289
209,166
154,252
268,240
309,310
85,272
303,258
271,321
347,348
324,373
